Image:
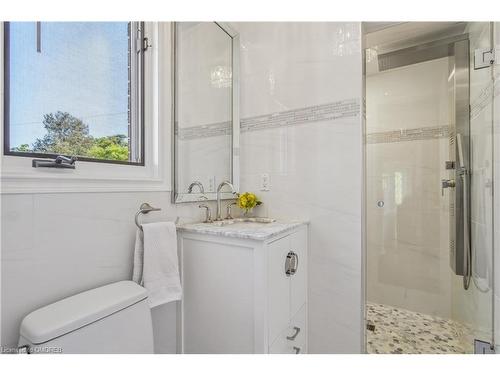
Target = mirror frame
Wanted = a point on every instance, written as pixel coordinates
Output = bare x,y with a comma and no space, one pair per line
235,120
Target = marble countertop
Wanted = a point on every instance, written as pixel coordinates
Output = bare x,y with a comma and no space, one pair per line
241,229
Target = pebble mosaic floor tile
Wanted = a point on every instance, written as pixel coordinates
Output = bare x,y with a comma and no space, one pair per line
400,331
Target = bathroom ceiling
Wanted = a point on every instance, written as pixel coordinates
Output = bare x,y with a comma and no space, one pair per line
396,35
371,27
384,37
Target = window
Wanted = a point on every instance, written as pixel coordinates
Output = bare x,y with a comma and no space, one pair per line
74,89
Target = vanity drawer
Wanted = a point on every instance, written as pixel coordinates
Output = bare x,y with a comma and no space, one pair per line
293,340
298,328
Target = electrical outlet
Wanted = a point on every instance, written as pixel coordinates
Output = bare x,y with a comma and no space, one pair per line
264,182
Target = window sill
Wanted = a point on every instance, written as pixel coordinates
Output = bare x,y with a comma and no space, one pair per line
60,181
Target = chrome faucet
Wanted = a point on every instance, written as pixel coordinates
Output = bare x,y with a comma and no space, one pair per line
218,216
196,183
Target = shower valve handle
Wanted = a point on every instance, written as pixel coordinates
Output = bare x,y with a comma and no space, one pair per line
445,184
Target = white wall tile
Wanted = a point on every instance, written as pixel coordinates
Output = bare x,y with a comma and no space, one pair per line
408,242
315,168
56,245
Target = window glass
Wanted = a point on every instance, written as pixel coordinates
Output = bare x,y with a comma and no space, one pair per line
69,91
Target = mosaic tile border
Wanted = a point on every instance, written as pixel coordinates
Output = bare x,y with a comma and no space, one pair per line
334,111
405,135
323,112
204,131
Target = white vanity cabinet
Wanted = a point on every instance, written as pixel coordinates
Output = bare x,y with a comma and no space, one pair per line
244,291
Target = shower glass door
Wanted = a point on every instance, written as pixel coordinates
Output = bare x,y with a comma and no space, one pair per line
476,304
429,227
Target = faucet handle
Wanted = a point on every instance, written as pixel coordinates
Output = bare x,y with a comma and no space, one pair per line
445,184
208,215
228,215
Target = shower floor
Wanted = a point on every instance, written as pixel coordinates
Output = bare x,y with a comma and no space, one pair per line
400,331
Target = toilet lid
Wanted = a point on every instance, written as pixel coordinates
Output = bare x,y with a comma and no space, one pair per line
74,312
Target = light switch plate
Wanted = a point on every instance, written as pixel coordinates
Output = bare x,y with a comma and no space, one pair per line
264,182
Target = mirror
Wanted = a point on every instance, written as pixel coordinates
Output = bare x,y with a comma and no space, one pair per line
206,116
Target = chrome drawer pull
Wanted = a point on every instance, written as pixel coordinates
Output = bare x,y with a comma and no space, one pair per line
291,263
288,264
292,337
297,349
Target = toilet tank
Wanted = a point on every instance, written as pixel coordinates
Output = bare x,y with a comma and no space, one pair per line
114,318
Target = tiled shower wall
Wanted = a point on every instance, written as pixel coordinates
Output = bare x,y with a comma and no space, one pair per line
410,265
301,88
408,117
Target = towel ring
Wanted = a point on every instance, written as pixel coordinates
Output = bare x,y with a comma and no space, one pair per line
144,209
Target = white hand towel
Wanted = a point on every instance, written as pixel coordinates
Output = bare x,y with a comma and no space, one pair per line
156,265
138,257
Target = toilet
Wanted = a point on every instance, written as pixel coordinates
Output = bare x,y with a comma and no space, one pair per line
114,318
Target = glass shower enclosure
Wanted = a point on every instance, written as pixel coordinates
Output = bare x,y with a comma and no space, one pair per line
429,199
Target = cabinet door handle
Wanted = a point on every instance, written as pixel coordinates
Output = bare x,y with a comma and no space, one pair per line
291,263
297,349
292,337
288,263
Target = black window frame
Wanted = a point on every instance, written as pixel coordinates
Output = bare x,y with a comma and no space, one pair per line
141,48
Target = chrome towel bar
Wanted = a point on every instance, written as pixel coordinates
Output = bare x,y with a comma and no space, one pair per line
144,209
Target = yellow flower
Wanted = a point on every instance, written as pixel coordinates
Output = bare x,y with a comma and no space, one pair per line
243,201
251,199
247,201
